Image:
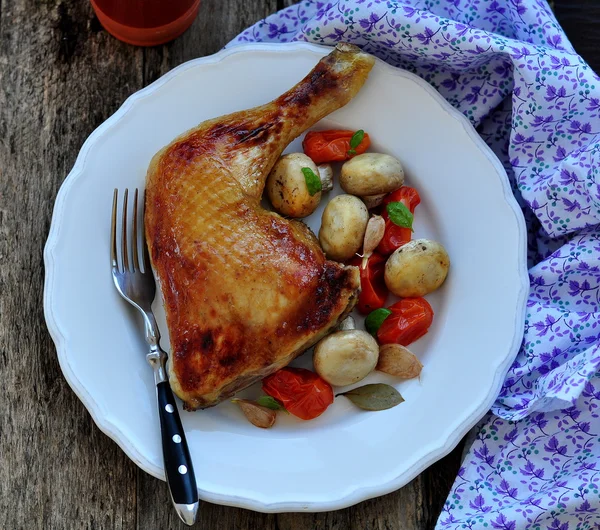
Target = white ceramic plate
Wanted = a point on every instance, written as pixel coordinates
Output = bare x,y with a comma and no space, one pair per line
346,455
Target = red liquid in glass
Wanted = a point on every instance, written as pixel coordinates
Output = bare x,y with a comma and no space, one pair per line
146,22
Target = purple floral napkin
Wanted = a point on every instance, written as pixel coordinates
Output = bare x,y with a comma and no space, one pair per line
508,66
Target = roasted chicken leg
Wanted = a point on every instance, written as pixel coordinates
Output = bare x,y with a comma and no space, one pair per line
245,291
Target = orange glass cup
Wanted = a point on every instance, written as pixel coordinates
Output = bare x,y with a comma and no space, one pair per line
146,22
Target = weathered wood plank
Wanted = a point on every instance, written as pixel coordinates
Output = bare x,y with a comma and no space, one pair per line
580,20
60,78
155,511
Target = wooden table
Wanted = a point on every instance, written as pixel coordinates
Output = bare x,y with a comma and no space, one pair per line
62,75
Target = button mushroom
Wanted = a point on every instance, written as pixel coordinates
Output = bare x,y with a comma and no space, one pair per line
343,227
416,268
371,174
295,184
372,201
346,356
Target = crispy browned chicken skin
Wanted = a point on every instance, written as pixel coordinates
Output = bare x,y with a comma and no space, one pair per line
245,290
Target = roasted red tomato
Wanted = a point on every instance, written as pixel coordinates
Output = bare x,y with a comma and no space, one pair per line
373,291
395,236
333,145
410,320
302,392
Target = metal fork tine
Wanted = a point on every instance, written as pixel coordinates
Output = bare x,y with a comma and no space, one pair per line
146,257
136,263
144,244
124,233
113,231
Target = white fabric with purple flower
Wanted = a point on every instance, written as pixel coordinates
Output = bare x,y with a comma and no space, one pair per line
508,66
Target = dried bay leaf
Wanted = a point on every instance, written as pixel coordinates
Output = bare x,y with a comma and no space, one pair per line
377,396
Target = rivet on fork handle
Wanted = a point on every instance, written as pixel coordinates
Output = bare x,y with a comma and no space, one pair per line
157,359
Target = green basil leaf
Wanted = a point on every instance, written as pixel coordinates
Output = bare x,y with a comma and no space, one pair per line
313,182
375,319
374,397
356,139
270,403
400,215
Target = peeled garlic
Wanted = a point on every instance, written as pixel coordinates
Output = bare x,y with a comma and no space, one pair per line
398,361
257,414
373,236
347,323
326,176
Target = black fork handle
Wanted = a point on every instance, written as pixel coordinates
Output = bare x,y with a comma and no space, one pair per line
178,463
176,454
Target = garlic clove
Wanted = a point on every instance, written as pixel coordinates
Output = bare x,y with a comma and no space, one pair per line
373,236
347,323
398,361
257,415
326,176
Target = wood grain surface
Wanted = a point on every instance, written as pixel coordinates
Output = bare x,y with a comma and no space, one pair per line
62,75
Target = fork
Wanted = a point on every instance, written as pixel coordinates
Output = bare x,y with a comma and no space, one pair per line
138,287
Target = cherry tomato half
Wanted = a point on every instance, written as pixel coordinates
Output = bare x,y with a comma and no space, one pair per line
373,290
332,146
410,320
395,236
302,392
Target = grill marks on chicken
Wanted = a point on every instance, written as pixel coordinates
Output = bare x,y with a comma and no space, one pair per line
245,291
